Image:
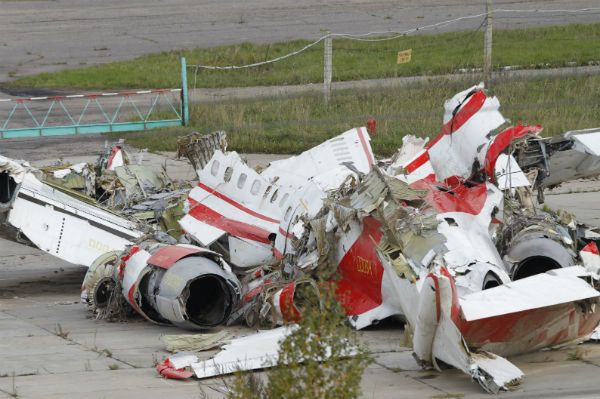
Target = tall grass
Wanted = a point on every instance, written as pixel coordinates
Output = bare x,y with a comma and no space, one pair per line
291,125
432,54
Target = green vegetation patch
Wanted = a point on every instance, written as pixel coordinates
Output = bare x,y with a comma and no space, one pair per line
432,54
291,125
322,358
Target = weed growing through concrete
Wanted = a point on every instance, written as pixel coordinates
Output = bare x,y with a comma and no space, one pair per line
449,396
106,352
59,332
13,391
323,333
577,354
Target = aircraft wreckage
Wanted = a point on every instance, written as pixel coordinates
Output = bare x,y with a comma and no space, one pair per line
448,234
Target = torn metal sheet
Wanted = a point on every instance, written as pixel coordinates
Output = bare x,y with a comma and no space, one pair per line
587,141
470,116
351,148
174,367
181,360
573,155
63,226
256,351
412,147
113,157
590,257
199,148
11,169
80,177
508,173
194,342
541,290
253,352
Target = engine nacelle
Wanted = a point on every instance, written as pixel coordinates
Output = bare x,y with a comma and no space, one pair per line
184,285
538,248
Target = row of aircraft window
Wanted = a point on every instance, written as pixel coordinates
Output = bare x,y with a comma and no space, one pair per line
254,189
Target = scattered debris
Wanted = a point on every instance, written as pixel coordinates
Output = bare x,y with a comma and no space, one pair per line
449,234
195,342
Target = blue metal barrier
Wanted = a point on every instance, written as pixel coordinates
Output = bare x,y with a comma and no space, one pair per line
94,113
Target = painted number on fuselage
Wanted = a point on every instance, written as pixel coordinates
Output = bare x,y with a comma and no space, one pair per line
363,265
99,246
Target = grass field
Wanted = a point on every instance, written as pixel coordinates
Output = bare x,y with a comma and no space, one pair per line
432,54
290,125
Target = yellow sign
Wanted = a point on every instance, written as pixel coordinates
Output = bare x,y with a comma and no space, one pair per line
404,56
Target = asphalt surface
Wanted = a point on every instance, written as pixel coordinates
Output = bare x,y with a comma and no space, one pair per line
50,35
50,347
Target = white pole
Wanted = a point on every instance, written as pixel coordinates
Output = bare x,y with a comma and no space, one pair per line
487,44
327,68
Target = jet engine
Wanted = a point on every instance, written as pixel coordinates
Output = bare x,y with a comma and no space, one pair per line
183,285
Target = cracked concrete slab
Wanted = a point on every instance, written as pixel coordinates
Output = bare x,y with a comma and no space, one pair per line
119,383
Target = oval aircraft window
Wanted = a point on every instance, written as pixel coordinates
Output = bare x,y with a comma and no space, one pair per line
288,213
214,168
227,174
242,181
274,196
266,194
283,199
255,187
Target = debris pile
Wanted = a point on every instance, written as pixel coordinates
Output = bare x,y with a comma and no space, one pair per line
450,234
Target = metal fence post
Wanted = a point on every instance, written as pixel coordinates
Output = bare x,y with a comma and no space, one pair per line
487,44
185,115
327,68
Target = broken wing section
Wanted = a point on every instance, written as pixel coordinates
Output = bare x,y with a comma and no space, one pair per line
253,352
540,311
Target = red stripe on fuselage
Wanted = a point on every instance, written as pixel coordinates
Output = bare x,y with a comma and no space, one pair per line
417,162
473,105
285,233
236,204
363,142
236,228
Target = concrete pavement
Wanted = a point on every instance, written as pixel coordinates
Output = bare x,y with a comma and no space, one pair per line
55,349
